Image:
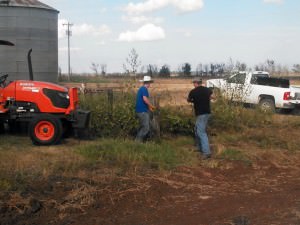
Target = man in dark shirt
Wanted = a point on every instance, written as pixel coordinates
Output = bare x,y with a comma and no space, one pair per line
200,96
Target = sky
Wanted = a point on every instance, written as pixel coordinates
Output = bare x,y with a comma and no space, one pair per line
174,32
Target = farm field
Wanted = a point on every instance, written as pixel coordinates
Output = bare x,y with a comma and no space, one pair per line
171,91
253,176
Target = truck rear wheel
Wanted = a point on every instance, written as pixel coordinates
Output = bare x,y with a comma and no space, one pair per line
45,130
267,105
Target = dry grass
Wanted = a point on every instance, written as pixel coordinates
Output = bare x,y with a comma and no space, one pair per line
34,159
275,144
78,198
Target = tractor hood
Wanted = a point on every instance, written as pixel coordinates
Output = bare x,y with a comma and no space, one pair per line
38,85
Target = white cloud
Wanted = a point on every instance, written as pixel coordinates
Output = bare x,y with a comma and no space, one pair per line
82,29
87,29
153,5
142,19
188,5
148,6
148,32
273,1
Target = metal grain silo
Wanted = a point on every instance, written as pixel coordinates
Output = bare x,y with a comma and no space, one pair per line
29,24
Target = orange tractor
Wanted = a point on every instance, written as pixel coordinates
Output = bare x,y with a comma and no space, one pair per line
48,110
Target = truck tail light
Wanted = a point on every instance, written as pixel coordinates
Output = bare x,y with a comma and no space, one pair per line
287,96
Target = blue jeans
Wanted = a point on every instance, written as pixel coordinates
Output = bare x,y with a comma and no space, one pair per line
144,129
201,135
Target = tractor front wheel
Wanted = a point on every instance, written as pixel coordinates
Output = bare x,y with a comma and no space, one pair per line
45,130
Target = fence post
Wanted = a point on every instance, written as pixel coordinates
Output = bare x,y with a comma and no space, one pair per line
110,98
155,121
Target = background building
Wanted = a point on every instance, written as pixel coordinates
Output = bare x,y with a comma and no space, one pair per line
29,25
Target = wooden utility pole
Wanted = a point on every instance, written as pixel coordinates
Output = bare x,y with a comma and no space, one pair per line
69,34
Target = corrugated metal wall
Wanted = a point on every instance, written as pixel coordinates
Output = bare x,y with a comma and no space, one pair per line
28,28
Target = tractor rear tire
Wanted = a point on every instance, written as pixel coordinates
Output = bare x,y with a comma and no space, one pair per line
45,130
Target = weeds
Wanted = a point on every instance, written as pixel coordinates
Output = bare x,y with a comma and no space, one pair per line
113,115
131,155
5,184
233,154
236,117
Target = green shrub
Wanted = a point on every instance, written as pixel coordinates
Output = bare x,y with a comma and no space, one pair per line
113,115
116,117
176,121
228,115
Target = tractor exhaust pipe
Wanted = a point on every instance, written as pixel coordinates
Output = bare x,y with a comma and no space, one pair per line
30,64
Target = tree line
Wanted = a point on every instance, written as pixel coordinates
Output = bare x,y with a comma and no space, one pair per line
133,67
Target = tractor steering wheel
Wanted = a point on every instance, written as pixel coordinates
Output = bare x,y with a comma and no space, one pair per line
3,79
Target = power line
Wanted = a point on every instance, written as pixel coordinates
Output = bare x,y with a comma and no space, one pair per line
69,34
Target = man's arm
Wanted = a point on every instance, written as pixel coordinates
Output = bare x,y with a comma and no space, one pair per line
147,101
190,98
212,95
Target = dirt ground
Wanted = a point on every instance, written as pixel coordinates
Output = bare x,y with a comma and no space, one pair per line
235,193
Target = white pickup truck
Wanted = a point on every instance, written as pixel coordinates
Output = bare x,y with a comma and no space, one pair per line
258,88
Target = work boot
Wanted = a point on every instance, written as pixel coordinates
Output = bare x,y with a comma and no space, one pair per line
208,156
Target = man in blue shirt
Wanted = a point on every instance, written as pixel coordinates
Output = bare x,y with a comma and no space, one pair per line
142,107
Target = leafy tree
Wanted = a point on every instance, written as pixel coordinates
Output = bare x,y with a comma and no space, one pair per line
132,62
95,68
212,69
199,69
240,66
230,66
186,69
268,65
164,71
103,69
206,69
296,68
152,70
